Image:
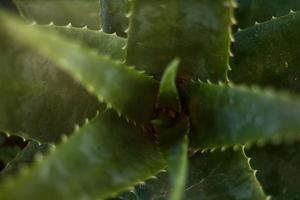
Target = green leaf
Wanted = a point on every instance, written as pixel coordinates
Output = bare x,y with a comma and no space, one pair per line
218,175
268,54
25,157
172,131
78,12
126,90
222,115
101,159
37,100
10,146
168,97
190,30
114,16
278,169
106,44
251,11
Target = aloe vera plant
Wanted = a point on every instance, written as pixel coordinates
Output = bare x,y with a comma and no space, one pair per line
140,99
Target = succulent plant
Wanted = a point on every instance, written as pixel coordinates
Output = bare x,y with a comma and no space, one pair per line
140,99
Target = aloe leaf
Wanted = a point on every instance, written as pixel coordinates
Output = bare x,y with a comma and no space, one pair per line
218,175
172,131
106,44
264,55
159,31
10,146
37,100
222,115
114,16
25,157
251,11
99,160
126,90
168,96
278,169
78,12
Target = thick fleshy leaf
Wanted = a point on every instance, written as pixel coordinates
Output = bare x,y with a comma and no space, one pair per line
106,44
222,115
78,12
126,90
172,131
251,11
10,146
37,100
268,54
25,157
191,30
114,16
101,159
278,169
212,176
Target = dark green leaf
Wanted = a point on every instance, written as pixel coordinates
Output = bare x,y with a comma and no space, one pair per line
218,175
126,90
251,11
114,16
222,115
196,31
106,44
278,169
101,159
36,99
268,54
25,157
78,12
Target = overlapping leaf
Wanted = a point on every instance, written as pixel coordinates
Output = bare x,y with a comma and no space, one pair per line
268,54
222,115
78,12
251,11
278,169
191,30
110,156
114,16
128,91
105,44
36,99
217,175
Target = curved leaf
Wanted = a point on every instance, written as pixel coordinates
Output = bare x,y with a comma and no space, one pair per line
212,176
78,12
114,16
106,44
222,115
100,160
191,30
126,90
25,157
278,169
37,100
268,54
251,11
